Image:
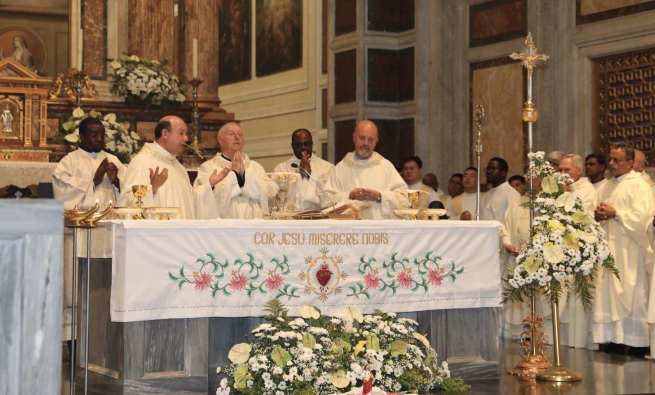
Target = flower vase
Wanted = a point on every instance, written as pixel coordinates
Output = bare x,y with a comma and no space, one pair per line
557,372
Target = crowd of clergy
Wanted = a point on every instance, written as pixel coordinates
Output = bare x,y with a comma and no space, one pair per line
233,186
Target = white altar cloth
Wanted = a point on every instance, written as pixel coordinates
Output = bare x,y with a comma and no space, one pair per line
231,268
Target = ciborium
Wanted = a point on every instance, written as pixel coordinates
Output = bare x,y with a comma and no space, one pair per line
76,215
139,192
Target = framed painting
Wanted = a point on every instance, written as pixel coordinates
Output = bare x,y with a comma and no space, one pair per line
23,46
235,34
278,36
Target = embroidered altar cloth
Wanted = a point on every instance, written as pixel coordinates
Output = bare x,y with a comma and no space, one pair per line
231,268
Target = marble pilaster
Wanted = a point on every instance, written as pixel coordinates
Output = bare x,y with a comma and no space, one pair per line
152,29
95,40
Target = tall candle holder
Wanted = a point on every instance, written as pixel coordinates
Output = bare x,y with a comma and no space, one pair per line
195,115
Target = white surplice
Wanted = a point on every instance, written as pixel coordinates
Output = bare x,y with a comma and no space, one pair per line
463,202
515,233
232,201
309,196
176,191
373,173
494,203
599,183
72,182
620,305
576,328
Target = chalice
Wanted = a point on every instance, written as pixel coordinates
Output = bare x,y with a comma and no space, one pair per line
282,181
139,192
414,197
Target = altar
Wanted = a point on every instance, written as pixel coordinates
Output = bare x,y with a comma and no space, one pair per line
176,295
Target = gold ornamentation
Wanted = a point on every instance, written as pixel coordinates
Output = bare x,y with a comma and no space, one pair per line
73,84
323,275
152,152
350,161
529,56
532,363
529,112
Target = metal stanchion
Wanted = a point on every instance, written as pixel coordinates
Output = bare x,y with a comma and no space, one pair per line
86,301
73,338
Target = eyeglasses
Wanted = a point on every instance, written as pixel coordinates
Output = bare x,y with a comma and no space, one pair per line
454,182
302,143
491,168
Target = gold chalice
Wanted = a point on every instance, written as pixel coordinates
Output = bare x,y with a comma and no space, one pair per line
414,197
139,192
77,215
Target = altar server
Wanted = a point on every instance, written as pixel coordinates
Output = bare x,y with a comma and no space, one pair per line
411,173
495,202
463,207
309,195
625,207
367,176
594,167
82,178
244,191
167,181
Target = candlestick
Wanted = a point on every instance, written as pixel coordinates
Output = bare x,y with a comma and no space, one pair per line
195,58
195,144
80,49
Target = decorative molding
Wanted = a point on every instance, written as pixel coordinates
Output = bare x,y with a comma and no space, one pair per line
581,19
271,111
276,90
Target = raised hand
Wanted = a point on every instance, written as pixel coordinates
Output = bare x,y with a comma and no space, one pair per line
465,216
305,164
237,163
157,178
217,176
101,171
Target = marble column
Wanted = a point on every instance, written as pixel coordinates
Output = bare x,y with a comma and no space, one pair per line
152,27
200,21
94,47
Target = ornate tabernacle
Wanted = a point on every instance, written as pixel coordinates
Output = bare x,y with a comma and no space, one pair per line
23,112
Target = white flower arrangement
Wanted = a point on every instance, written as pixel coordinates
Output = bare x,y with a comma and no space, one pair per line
140,80
316,355
119,141
566,245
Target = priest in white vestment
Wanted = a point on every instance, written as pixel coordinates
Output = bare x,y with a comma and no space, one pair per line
495,202
366,176
83,178
576,322
432,181
166,179
309,195
244,192
411,173
464,206
639,166
625,211
594,167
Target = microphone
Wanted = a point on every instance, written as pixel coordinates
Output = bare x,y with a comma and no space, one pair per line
305,172
197,152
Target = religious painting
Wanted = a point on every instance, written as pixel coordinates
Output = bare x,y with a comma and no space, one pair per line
10,117
234,48
23,46
278,36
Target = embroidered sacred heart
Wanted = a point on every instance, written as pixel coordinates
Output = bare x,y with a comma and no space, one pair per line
323,274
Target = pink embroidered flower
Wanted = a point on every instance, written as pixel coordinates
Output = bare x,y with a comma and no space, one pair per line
274,281
405,278
372,280
202,280
435,277
238,281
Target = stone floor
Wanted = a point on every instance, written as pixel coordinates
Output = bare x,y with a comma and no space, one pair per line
602,373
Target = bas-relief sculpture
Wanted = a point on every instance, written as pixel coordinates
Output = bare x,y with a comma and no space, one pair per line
235,32
279,36
22,46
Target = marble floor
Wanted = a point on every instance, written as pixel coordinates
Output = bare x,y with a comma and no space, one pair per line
602,374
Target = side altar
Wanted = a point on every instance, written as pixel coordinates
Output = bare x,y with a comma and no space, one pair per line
177,295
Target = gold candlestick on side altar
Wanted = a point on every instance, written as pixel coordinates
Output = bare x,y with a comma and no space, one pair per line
195,144
532,362
74,84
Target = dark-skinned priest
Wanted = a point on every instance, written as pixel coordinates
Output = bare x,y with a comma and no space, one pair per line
166,179
366,176
244,191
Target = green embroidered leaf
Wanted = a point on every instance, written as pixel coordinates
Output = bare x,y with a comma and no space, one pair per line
308,340
241,376
373,342
549,184
172,277
581,217
180,283
339,379
531,264
397,347
239,353
182,271
280,356
210,255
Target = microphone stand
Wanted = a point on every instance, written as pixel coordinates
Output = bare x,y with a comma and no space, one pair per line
305,172
196,151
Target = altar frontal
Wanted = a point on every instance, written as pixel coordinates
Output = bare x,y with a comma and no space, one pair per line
192,269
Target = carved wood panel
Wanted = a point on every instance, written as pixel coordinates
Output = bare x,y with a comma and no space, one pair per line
624,106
